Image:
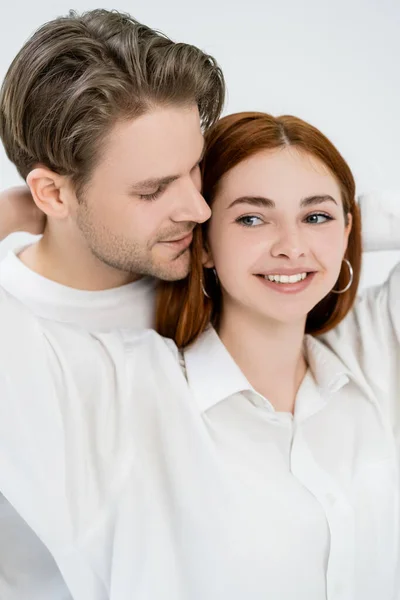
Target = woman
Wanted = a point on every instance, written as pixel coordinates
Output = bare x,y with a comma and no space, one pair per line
302,428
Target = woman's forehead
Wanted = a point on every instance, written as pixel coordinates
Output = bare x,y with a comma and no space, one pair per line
285,173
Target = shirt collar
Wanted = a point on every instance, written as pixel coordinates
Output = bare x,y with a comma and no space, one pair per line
211,371
328,370
125,307
213,375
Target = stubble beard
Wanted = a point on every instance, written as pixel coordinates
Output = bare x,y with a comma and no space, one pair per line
125,256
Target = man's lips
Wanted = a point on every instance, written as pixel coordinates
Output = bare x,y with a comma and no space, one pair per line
179,243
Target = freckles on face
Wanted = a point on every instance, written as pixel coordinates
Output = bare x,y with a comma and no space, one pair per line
278,212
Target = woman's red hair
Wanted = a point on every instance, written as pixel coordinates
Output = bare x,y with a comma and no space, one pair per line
182,310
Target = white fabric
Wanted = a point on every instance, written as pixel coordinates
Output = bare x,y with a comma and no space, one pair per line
143,489
27,569
380,215
82,463
319,492
131,305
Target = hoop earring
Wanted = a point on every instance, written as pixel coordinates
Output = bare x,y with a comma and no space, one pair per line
203,289
351,273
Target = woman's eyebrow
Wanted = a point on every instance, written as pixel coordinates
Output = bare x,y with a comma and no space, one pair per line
254,201
317,199
268,203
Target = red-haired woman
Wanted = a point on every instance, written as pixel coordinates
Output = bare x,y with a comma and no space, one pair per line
301,427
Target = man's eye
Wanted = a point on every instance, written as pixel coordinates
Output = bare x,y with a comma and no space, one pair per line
249,221
318,218
154,195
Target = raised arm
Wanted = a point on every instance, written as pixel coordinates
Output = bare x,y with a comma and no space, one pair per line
368,339
380,220
18,212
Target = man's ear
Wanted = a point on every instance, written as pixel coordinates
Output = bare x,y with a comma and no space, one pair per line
51,192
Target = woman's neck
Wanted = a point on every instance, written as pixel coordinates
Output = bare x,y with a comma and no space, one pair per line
270,354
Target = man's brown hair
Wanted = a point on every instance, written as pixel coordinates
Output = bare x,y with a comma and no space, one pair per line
78,75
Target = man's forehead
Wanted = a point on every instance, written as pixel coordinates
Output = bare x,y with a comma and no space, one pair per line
166,177
164,137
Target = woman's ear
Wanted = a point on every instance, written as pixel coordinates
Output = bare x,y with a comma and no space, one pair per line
347,231
207,259
50,192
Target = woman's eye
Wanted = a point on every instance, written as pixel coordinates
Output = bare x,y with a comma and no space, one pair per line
318,218
249,221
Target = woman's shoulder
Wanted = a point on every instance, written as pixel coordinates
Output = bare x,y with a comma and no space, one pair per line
374,318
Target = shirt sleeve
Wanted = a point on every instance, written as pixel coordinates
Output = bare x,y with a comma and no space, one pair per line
368,339
33,474
31,433
380,219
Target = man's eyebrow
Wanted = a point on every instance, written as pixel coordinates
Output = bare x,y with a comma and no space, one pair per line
263,202
156,182
153,183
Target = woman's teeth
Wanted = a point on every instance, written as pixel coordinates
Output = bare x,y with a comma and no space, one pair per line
286,278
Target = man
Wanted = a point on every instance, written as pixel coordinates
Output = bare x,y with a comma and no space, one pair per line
104,119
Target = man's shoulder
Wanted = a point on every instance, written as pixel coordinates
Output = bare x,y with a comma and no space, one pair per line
12,311
140,339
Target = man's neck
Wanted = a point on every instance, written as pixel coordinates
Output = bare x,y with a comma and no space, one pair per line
72,265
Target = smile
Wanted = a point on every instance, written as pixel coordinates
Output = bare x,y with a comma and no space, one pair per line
287,284
286,278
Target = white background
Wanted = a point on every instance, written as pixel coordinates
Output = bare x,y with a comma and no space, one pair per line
335,63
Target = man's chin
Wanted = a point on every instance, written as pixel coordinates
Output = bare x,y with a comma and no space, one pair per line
173,270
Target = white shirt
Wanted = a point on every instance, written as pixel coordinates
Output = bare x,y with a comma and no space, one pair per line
206,492
313,498
129,306
27,569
